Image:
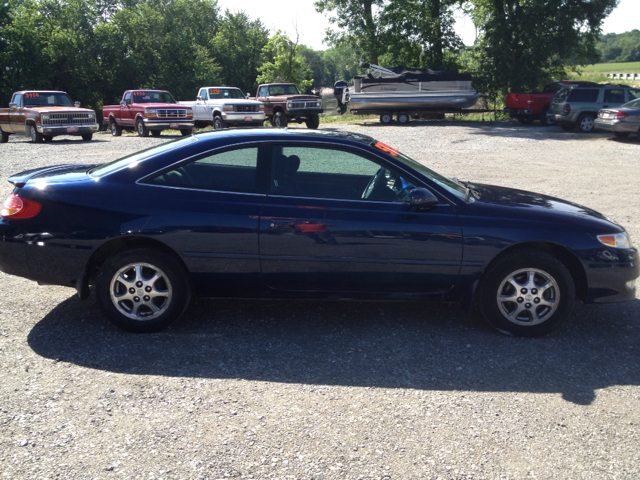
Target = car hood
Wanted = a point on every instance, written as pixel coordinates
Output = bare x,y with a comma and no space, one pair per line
297,97
60,109
57,174
161,105
533,203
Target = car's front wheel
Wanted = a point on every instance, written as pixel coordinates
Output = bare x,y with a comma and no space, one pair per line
279,120
219,123
116,130
36,137
143,290
141,128
528,293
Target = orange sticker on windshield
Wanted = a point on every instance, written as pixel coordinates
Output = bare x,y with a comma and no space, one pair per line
32,95
213,91
386,148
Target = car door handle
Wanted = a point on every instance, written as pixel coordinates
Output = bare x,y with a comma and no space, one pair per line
281,224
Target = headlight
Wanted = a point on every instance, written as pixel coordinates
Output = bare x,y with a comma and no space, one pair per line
615,240
227,108
92,115
44,116
289,105
318,104
151,112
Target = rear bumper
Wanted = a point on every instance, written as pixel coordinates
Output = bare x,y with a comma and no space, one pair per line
54,130
519,111
615,126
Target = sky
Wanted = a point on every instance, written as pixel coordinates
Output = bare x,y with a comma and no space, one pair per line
285,15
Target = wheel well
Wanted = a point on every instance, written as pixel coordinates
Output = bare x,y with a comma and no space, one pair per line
121,244
562,254
113,119
277,109
216,113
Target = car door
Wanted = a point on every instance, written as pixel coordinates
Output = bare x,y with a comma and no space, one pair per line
201,110
207,210
127,115
17,118
613,97
318,233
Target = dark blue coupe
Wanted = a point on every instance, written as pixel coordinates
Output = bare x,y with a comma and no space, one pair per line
268,213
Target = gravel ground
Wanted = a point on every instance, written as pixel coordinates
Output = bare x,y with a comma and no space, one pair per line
321,390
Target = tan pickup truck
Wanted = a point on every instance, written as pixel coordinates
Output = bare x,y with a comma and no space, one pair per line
44,114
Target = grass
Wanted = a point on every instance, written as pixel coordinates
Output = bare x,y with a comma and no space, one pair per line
604,68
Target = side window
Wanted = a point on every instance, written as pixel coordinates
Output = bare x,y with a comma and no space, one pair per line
634,93
263,92
127,98
230,171
583,95
614,95
317,172
18,99
204,94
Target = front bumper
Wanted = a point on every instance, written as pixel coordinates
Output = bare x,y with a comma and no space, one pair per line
303,112
169,124
240,118
611,275
615,126
54,130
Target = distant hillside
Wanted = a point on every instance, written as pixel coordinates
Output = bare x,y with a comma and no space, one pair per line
620,47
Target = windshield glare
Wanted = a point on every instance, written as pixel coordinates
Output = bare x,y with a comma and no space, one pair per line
222,93
47,99
145,96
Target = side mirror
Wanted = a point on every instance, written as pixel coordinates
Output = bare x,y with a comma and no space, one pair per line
123,103
13,106
422,198
198,97
76,104
247,95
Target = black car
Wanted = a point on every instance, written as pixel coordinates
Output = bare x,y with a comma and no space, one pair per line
268,214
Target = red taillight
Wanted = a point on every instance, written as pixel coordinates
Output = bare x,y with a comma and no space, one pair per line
19,208
566,109
621,115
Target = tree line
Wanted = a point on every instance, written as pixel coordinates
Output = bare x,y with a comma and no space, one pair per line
620,47
96,49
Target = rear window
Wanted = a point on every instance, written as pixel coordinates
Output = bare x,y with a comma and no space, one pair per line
584,95
561,95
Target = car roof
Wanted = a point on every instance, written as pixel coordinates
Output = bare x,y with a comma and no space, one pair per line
285,134
40,91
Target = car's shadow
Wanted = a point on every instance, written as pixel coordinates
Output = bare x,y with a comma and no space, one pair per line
386,345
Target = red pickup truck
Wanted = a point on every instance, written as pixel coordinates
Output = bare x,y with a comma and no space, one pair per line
148,111
528,107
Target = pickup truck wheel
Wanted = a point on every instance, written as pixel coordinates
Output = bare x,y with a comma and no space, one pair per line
116,130
87,137
525,119
279,120
141,128
585,122
4,138
186,131
36,137
544,121
219,123
156,133
313,122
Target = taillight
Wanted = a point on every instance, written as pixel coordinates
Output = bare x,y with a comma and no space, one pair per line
621,115
16,207
566,109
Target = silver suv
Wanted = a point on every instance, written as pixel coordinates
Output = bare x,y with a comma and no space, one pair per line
578,105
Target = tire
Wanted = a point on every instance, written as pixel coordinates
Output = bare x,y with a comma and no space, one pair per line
141,128
386,118
544,121
525,119
87,137
621,134
36,137
568,127
156,133
47,138
279,120
528,311
585,122
219,123
116,130
186,131
402,118
314,122
4,137
125,278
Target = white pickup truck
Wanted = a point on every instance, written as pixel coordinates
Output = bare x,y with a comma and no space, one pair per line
225,107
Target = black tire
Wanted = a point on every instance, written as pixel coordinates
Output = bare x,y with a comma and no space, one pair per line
87,137
386,118
141,128
585,122
116,130
47,138
186,131
219,123
36,137
126,303
156,133
533,311
544,121
402,118
525,119
621,134
279,120
568,127
313,122
4,137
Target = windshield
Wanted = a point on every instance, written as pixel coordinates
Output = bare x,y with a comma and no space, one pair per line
446,183
47,99
222,93
133,159
284,90
151,96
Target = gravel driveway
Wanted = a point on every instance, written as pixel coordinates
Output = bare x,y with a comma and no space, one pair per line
321,390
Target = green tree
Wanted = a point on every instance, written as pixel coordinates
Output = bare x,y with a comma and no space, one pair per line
284,63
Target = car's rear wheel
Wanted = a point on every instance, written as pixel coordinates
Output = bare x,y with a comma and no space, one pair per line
36,137
528,293
87,137
219,123
4,138
386,118
621,134
280,120
143,290
586,122
141,128
314,122
116,130
544,120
